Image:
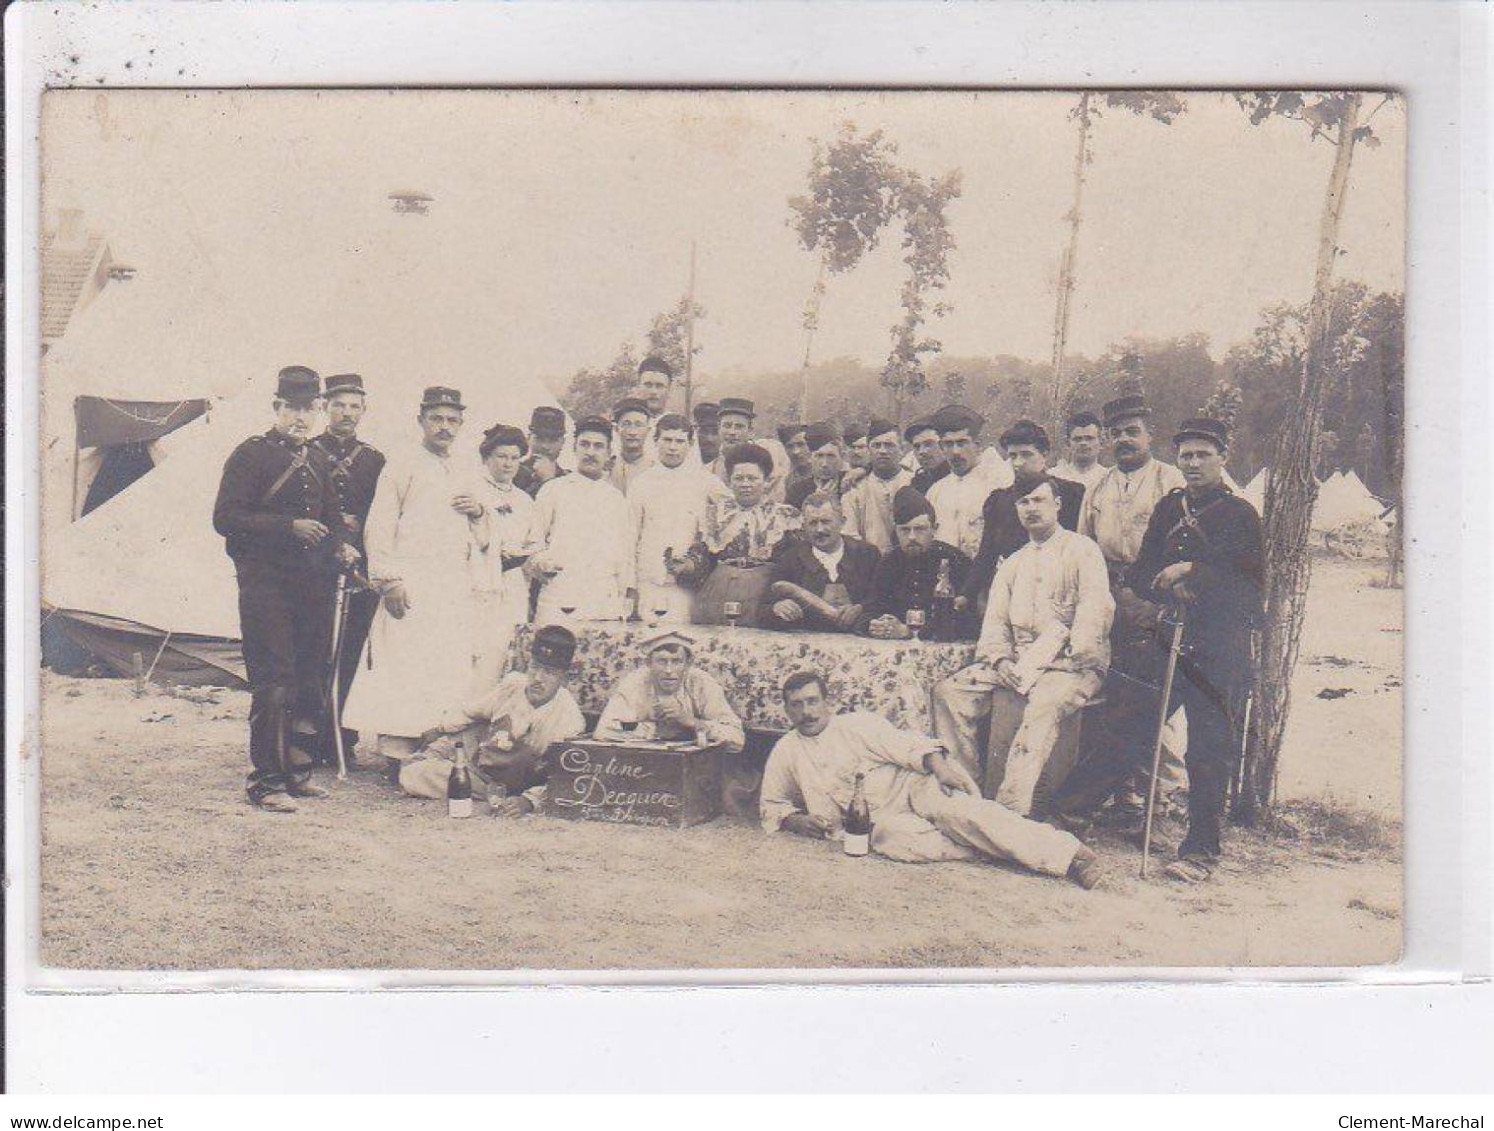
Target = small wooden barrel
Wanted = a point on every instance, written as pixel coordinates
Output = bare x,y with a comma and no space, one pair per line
747,586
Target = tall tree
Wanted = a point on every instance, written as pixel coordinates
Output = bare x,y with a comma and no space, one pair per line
1161,106
1292,487
851,197
592,392
927,242
672,337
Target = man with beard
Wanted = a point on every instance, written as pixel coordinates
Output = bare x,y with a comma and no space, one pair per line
355,469
824,582
1083,464
1043,650
580,551
1025,445
924,805
279,516
1201,553
670,503
959,499
827,461
507,730
669,699
904,580
427,522
546,441
868,504
635,454
923,441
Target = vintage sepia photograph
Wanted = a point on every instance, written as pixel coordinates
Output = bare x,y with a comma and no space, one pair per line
721,530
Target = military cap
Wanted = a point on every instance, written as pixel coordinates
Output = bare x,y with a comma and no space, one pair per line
820,433
879,426
298,385
344,383
908,504
1030,481
750,453
547,421
787,432
922,424
554,646
653,363
706,412
499,435
739,405
666,638
1124,408
594,424
854,432
629,404
1215,432
439,396
957,418
1026,432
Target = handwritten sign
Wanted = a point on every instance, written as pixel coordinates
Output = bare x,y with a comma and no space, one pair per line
634,784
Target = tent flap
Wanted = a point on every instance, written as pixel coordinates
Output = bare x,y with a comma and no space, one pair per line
104,422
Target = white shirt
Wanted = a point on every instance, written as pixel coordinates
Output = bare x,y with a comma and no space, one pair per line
1089,477
585,527
831,561
1118,507
959,502
868,507
669,506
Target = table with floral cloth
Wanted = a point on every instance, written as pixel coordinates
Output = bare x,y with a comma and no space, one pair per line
893,678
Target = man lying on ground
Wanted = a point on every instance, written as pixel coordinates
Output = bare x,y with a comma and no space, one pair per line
669,699
508,730
924,805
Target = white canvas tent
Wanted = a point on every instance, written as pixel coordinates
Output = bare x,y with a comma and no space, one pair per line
1255,491
146,571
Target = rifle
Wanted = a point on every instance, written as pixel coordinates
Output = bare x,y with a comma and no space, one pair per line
1174,648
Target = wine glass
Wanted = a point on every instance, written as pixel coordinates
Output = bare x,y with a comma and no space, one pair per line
733,610
915,620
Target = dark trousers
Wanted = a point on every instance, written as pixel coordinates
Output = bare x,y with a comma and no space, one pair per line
358,617
285,618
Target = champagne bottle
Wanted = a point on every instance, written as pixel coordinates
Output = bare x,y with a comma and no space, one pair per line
459,786
858,824
941,615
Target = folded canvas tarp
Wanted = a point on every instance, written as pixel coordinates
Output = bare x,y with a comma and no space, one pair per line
179,658
104,422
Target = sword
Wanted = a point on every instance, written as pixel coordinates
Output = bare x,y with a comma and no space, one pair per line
1173,649
338,609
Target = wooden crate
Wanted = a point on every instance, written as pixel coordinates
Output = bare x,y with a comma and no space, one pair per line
634,783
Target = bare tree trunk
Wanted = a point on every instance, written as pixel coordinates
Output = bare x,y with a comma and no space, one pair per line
1290,493
1068,264
690,338
811,324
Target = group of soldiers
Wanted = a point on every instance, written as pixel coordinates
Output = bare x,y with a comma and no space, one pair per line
414,572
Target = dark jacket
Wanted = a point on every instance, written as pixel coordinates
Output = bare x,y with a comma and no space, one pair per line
1004,533
255,520
1220,533
795,563
800,489
904,581
527,481
923,479
355,473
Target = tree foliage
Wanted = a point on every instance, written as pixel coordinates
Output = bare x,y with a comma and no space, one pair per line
593,392
852,195
669,332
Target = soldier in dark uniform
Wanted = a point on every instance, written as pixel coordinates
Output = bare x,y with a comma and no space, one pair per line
1025,445
277,510
1202,554
905,578
546,439
707,416
355,472
923,438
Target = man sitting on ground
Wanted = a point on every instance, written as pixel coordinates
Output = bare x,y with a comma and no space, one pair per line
669,699
1042,655
924,805
824,582
508,730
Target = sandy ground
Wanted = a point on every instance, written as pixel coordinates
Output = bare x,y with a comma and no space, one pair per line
153,860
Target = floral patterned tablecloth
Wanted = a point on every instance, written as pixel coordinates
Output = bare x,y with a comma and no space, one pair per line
893,678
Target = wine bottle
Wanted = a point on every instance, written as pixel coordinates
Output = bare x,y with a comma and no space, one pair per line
941,615
858,823
459,786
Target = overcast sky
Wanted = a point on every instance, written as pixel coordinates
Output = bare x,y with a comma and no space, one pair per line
562,222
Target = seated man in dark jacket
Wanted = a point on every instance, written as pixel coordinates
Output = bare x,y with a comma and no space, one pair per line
823,581
905,584
1026,447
